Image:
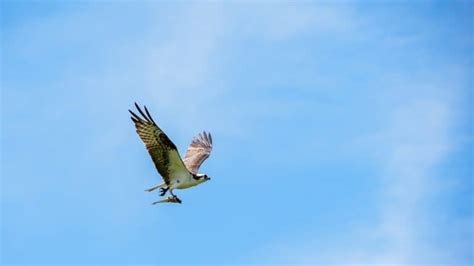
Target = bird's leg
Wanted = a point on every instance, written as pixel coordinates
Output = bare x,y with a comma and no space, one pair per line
174,196
164,190
171,192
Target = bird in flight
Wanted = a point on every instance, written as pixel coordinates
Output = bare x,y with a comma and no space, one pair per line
176,173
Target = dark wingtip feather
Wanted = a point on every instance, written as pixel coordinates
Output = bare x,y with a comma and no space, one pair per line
142,113
149,116
135,116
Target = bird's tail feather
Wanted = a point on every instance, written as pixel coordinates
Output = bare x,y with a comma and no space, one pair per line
155,187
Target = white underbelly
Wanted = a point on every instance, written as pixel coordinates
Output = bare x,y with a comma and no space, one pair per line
182,181
185,184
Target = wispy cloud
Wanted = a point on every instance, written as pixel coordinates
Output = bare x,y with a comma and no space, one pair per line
409,150
412,147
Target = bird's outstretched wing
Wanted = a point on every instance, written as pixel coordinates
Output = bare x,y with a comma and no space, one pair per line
162,150
198,151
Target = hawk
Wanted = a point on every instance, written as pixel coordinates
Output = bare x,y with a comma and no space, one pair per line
176,173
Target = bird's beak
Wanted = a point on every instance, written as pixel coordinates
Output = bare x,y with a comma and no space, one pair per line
208,178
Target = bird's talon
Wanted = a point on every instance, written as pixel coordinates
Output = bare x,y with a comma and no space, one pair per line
163,191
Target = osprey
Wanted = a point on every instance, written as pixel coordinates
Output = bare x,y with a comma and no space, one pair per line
176,173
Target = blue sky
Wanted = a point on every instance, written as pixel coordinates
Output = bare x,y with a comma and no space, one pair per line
343,132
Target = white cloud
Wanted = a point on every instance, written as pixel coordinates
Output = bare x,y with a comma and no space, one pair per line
409,149
183,71
413,145
284,21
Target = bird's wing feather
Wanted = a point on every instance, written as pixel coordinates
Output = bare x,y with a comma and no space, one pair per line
198,151
162,150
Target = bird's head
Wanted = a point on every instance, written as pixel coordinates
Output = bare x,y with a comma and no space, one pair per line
201,178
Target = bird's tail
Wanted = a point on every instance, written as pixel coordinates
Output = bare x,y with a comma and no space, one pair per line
155,187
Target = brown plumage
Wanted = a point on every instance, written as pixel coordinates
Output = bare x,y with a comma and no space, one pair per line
198,152
162,150
176,173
